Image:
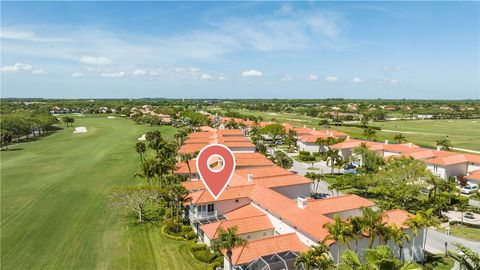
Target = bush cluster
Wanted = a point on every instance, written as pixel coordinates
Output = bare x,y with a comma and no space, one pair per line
202,253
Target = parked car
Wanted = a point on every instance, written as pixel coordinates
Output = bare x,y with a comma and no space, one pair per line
469,189
349,167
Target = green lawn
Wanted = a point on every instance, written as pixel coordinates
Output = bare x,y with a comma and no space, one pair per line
463,232
463,133
54,213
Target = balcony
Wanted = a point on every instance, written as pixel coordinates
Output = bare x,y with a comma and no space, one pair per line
202,215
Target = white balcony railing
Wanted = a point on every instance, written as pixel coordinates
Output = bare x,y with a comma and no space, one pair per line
203,215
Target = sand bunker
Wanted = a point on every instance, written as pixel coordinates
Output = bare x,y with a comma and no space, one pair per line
142,138
80,130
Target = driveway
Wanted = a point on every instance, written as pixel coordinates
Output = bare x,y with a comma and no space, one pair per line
457,216
436,242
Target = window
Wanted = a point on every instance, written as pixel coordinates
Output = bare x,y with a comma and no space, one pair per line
236,200
202,208
248,236
211,207
435,168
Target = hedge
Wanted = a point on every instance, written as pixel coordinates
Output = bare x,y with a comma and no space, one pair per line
170,236
475,226
304,153
360,126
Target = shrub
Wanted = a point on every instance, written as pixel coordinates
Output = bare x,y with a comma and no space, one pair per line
196,247
153,212
307,158
304,153
186,229
204,256
191,235
316,154
218,262
165,232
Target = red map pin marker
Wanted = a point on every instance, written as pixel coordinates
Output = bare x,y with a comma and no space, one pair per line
215,179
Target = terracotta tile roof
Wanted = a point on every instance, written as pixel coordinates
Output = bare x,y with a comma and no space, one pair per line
397,216
193,185
301,131
191,148
475,175
448,160
244,212
230,132
204,140
183,168
267,246
206,129
312,138
201,135
401,148
338,204
240,176
253,162
280,181
222,139
229,193
238,144
472,158
303,219
244,225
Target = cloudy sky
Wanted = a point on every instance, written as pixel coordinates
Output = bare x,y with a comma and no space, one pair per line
240,49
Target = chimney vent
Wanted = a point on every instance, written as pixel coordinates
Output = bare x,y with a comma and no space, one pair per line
301,203
410,145
348,137
250,177
386,141
439,148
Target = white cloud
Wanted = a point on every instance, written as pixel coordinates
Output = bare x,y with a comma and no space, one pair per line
358,80
394,81
286,78
206,77
331,79
27,36
113,74
77,74
284,9
92,60
392,68
311,77
222,78
139,72
39,72
252,73
17,67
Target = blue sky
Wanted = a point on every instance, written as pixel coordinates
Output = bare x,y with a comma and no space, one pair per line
240,49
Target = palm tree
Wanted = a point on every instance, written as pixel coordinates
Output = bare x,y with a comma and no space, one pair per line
373,223
399,138
444,143
332,158
399,236
148,168
140,147
462,207
378,258
358,228
428,219
369,133
186,158
467,258
320,142
316,258
228,240
340,232
415,223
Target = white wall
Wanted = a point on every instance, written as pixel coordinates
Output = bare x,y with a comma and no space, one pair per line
243,149
282,227
226,206
294,191
310,147
346,214
445,172
473,167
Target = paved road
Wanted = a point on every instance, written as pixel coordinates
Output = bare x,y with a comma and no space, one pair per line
436,242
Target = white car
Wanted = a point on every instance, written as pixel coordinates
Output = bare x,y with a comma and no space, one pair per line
469,189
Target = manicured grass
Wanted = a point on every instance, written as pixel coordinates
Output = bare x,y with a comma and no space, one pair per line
463,232
55,214
463,133
438,262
